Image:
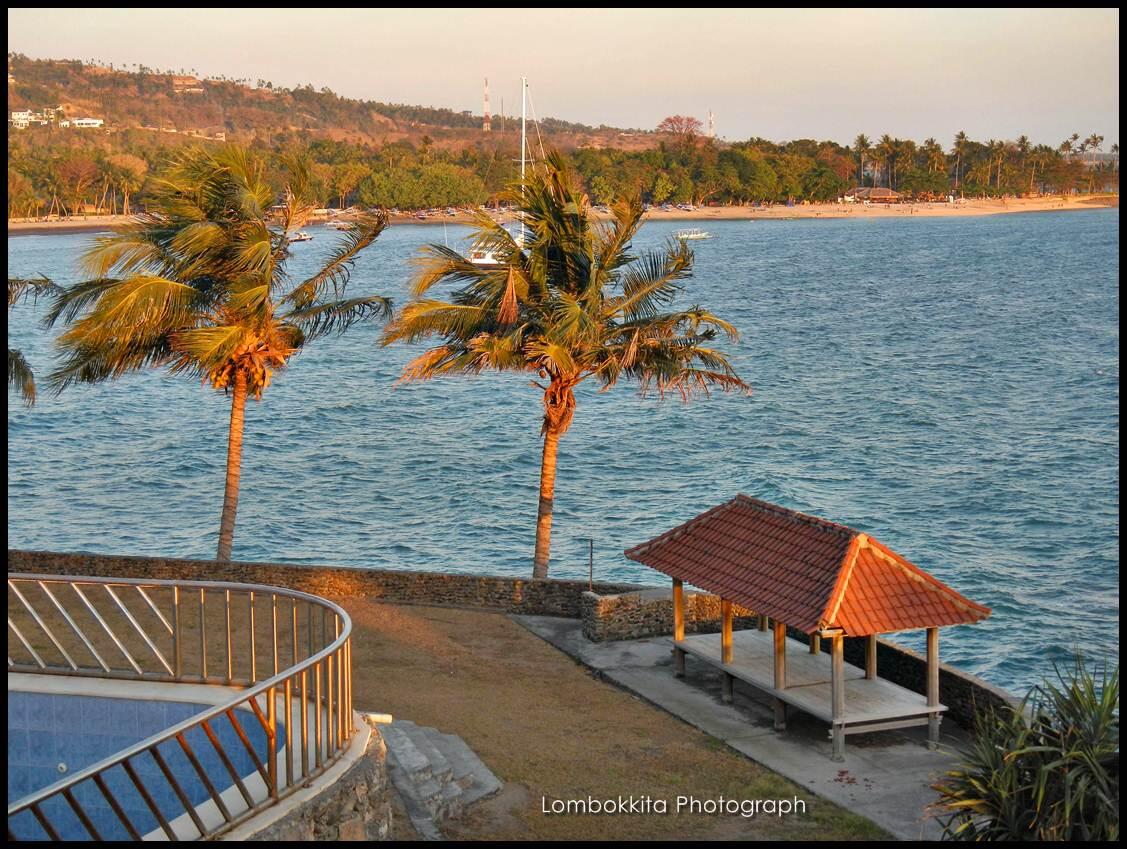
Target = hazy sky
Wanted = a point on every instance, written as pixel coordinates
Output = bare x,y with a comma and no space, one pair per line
776,74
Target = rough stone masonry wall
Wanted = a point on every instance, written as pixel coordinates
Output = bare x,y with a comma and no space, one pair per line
356,806
649,613
514,595
646,613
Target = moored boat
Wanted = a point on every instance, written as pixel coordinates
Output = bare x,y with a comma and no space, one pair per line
693,234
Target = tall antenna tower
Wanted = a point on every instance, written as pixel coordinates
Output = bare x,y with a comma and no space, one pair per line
711,125
485,126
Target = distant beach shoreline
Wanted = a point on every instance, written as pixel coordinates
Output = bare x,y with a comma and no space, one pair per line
96,223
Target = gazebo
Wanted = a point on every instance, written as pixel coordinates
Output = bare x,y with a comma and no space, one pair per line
822,579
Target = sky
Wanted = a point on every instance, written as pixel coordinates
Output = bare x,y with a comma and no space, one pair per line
776,74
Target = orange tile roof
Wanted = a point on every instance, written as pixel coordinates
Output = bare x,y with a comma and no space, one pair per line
804,571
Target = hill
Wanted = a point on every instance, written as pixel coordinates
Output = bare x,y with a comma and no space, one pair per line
179,102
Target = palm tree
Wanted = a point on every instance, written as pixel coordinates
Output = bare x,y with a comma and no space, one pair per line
886,150
1023,147
862,146
936,158
129,175
906,153
198,285
1095,144
569,303
962,144
19,372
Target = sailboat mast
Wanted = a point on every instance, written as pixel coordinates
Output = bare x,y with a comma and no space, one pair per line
523,142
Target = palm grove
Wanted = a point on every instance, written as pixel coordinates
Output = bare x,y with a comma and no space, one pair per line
74,173
197,285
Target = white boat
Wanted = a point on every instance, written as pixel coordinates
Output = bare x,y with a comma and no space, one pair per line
692,235
478,256
301,236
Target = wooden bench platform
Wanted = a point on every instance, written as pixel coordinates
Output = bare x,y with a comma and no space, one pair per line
871,704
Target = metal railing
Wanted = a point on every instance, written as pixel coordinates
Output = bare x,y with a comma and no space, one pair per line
281,651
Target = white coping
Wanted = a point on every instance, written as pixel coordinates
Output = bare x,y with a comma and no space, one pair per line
208,811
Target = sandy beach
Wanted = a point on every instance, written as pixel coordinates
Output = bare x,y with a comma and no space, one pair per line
968,207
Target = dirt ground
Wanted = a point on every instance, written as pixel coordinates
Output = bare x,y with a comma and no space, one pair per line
551,731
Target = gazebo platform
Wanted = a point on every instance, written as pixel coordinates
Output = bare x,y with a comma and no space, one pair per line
821,579
871,704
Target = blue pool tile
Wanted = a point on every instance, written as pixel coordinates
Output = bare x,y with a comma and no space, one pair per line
39,712
19,750
19,782
97,714
67,714
17,710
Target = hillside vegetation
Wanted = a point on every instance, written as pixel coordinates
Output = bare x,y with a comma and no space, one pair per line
412,157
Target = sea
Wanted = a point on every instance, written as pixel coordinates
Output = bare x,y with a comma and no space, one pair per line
949,386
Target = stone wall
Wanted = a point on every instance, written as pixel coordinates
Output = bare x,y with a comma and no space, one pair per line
646,613
356,806
649,613
514,595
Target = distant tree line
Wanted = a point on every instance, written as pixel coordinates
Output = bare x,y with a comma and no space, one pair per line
66,172
56,173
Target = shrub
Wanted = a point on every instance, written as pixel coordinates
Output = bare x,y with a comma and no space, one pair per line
1046,769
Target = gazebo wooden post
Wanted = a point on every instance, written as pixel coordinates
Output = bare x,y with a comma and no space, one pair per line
871,656
780,674
726,648
678,627
837,690
815,644
762,622
933,687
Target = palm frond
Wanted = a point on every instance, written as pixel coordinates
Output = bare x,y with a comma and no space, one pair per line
337,316
136,306
95,363
22,287
441,264
362,231
72,300
437,318
20,376
209,347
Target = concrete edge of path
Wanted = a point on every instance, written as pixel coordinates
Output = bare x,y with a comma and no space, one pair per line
888,782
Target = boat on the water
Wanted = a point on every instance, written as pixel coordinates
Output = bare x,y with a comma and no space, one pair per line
695,234
301,236
480,256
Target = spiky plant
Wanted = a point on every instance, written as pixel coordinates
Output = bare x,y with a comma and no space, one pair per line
198,285
1047,769
19,372
568,304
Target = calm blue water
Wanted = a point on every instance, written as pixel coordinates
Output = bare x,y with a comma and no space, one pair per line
949,386
49,730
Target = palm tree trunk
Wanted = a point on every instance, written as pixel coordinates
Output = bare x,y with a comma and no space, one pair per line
234,463
544,511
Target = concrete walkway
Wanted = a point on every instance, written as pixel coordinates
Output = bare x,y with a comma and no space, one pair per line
885,776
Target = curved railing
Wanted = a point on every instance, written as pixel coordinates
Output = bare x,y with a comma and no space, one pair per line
284,655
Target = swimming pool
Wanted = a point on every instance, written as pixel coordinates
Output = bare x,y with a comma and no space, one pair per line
51,736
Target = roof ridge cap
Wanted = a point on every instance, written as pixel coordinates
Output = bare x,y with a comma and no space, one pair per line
797,515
